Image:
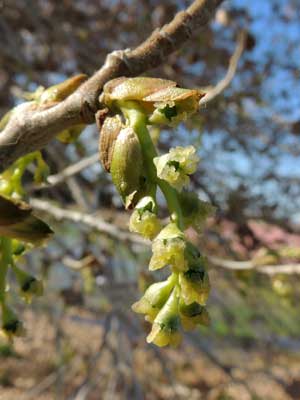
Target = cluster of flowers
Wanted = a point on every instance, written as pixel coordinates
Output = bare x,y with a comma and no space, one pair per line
127,151
19,230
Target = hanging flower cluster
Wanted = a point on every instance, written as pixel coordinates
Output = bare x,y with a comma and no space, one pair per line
20,230
128,153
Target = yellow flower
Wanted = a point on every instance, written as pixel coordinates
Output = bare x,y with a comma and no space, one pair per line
154,298
11,325
146,224
194,211
165,329
169,249
173,105
194,284
176,166
29,285
192,315
144,219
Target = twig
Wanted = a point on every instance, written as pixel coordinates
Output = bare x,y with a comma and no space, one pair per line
233,64
93,221
31,129
96,222
73,185
69,171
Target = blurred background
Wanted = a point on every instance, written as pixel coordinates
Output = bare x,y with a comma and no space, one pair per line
83,341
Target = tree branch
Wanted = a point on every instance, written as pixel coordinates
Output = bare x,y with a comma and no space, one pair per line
91,220
248,265
30,130
233,64
66,173
97,223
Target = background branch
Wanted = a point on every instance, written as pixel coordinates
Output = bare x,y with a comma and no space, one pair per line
70,170
30,130
93,221
247,265
96,222
233,64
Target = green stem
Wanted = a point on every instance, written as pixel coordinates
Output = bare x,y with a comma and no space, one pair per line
138,121
5,260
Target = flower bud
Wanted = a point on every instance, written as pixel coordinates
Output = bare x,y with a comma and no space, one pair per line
192,315
109,132
194,283
168,249
70,135
29,285
194,211
11,325
42,171
17,222
144,219
154,298
60,91
165,328
176,166
127,167
18,247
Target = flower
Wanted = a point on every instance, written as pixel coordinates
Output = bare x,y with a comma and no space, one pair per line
146,224
173,105
154,298
176,166
194,284
165,328
144,219
11,325
192,315
29,285
168,249
194,211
